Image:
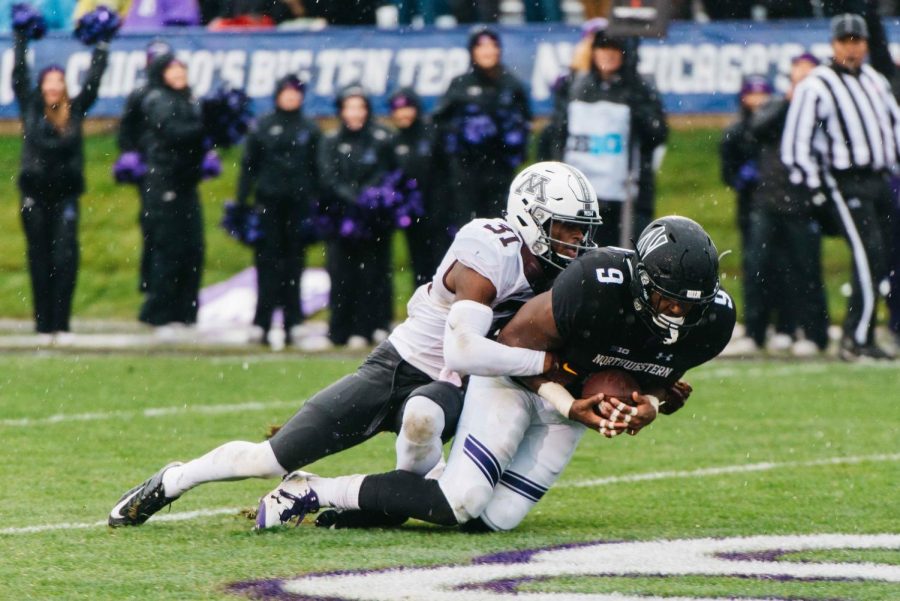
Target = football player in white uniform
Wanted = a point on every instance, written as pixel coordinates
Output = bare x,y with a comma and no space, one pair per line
411,383
655,312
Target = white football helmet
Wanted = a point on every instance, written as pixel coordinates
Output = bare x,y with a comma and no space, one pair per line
550,192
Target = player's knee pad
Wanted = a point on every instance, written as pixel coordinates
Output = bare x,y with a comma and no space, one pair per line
423,421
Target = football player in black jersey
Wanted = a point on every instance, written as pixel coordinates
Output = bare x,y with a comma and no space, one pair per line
655,312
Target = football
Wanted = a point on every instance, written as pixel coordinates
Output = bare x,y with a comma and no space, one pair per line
616,383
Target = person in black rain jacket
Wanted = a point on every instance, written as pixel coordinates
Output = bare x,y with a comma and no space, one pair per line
419,156
484,119
51,179
133,138
356,156
280,163
175,151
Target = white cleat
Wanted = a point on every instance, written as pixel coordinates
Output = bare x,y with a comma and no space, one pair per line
292,498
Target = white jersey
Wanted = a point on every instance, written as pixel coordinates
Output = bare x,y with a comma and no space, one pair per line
493,249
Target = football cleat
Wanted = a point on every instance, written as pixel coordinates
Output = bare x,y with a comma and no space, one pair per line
137,505
293,498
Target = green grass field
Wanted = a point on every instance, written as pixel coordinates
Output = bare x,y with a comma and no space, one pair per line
803,448
688,184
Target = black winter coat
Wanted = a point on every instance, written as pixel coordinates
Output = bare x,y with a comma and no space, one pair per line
280,158
774,192
52,160
349,161
417,154
502,98
175,132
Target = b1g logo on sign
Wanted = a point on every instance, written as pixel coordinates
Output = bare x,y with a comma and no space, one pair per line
500,576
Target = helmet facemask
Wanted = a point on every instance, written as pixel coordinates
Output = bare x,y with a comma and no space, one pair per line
547,247
669,327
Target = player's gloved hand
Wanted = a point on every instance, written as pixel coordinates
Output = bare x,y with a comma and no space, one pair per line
620,417
676,395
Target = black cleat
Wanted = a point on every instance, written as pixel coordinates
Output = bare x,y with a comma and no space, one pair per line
337,519
852,352
138,504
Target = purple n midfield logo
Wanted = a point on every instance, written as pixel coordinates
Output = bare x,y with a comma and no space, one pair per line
498,577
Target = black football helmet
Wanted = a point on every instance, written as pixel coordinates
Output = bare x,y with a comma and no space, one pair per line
676,258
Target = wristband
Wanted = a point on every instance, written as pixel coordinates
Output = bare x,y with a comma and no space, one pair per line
558,396
653,401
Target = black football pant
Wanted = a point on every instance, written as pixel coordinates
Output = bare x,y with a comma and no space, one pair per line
359,406
280,261
51,233
175,245
862,201
361,287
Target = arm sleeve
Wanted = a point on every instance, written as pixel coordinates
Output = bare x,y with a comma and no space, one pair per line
88,96
649,116
797,139
21,74
468,351
249,162
332,185
130,124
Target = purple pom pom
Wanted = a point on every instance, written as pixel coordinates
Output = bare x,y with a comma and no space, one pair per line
99,25
28,21
129,168
227,116
211,166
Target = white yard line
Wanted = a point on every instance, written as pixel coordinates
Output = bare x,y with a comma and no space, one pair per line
151,412
165,517
728,469
699,473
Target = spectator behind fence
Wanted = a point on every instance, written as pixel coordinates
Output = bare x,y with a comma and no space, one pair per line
484,118
51,179
420,158
739,154
610,121
352,162
783,247
841,139
57,14
174,220
279,168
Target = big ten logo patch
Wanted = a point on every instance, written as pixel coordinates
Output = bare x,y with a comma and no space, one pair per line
500,576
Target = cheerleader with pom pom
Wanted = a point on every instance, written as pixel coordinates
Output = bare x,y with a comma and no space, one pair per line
279,170
485,119
174,153
51,177
353,161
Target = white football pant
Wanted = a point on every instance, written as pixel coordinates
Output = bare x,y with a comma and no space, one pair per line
509,449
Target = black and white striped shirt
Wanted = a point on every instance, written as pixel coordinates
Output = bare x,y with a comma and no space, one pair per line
837,121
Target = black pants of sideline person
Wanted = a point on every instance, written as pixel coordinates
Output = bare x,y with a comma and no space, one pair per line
361,287
175,245
783,272
280,260
51,233
862,202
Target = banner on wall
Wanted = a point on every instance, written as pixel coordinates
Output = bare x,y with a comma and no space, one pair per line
697,68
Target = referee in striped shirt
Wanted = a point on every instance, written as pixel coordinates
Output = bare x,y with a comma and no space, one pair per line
841,139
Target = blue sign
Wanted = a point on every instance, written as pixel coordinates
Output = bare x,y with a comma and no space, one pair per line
698,68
